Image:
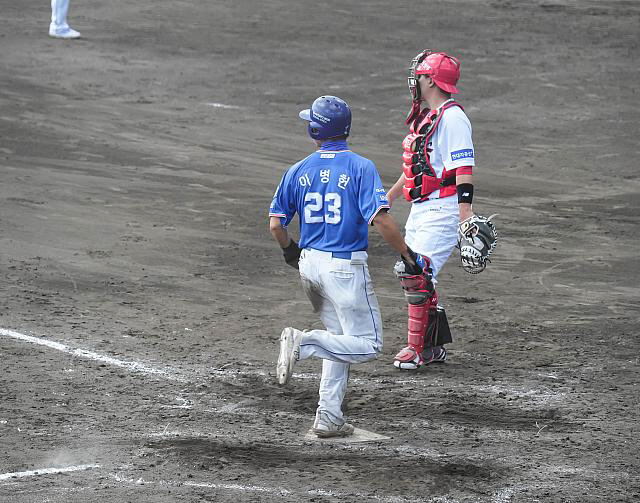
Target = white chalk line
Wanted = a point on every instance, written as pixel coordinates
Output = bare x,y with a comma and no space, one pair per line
222,105
173,374
46,471
133,366
534,395
282,491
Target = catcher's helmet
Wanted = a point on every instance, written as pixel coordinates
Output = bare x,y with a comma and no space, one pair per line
442,68
329,116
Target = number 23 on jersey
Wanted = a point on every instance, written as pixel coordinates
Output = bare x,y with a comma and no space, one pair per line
319,209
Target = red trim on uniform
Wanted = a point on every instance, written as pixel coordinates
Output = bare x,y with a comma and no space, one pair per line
464,170
378,211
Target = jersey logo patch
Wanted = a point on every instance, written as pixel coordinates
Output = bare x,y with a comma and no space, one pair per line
327,156
462,154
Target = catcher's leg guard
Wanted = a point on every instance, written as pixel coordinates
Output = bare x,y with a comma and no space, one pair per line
436,336
421,296
438,332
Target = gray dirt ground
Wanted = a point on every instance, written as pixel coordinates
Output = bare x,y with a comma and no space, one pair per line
133,224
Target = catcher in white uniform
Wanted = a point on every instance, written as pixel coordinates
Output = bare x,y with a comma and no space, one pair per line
337,195
438,160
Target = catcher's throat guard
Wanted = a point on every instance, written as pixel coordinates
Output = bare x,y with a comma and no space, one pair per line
443,69
414,88
477,238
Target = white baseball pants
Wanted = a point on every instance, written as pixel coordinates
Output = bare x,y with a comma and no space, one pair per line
59,10
341,292
432,230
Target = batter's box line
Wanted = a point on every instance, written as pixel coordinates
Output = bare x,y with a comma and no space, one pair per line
131,365
45,471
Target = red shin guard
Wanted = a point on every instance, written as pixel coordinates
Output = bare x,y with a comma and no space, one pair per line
418,322
422,299
411,356
418,319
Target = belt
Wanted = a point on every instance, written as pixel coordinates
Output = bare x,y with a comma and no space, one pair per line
346,255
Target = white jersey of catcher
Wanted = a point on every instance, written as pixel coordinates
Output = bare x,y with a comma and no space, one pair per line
451,145
432,225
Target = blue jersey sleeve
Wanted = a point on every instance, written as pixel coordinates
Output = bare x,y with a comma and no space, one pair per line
371,197
283,202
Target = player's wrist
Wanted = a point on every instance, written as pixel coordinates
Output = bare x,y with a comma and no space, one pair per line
289,246
465,193
465,211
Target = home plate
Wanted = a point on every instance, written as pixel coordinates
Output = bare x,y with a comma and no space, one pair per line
358,436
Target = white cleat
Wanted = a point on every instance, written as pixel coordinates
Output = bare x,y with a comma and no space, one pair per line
67,33
408,359
323,427
289,353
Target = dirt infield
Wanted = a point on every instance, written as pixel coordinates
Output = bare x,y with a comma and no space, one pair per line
142,295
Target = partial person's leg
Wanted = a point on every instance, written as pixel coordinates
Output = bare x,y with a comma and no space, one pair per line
59,26
59,10
333,383
341,292
420,294
358,313
431,231
333,387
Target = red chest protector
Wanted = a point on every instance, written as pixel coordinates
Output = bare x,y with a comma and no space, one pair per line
420,177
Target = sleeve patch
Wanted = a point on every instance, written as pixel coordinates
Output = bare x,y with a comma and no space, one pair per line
466,153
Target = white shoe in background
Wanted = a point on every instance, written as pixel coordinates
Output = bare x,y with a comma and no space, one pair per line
64,33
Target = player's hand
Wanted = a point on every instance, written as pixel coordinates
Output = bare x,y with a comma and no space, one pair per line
414,263
292,254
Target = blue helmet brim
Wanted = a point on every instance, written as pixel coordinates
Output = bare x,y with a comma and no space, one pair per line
305,114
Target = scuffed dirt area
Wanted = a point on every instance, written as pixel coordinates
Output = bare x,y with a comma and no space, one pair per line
137,167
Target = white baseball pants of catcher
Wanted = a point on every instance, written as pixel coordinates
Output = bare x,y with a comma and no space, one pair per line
432,230
341,292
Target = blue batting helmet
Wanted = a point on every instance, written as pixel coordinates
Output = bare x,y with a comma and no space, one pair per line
329,116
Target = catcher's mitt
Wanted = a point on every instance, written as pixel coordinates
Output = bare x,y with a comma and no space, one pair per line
477,237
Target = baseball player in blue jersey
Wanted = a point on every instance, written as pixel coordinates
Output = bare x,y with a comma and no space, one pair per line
337,195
